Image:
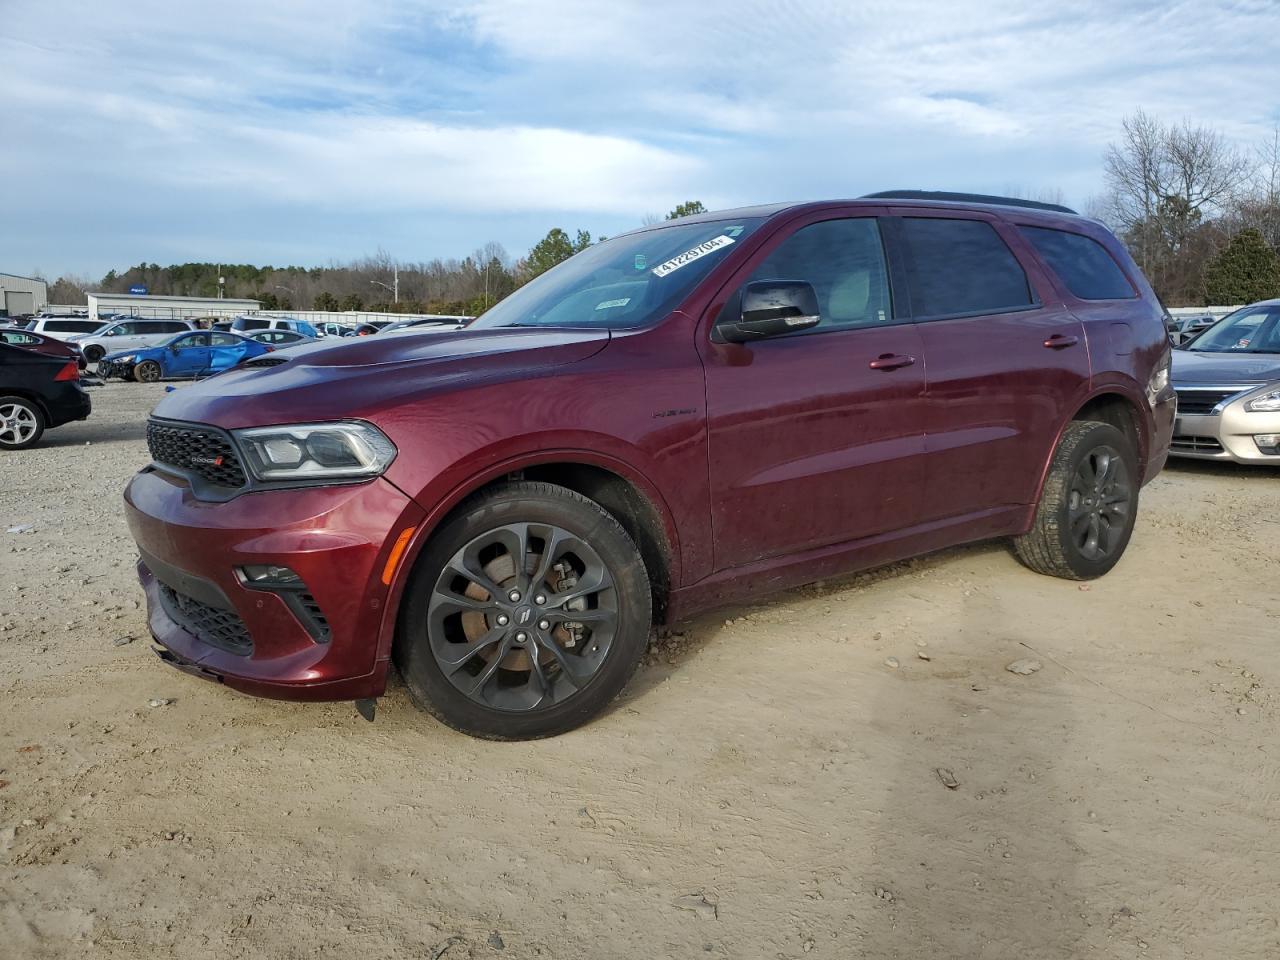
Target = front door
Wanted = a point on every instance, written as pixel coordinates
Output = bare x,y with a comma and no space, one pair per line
810,444
189,355
1006,359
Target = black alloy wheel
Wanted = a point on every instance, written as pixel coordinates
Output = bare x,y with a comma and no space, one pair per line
526,614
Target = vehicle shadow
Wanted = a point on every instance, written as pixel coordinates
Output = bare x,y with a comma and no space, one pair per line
1222,468
973,850
90,431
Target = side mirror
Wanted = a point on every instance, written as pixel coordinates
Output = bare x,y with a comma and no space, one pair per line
771,308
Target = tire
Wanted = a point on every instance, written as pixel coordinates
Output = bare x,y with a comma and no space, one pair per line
148,371
444,643
93,353
21,423
1083,521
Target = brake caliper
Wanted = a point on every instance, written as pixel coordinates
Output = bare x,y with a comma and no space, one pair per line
567,579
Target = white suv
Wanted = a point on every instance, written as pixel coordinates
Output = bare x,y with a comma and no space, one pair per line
130,334
63,328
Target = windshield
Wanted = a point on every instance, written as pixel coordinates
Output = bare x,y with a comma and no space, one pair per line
1251,330
630,281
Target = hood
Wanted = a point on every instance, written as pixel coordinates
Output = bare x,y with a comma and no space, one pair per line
1224,368
356,378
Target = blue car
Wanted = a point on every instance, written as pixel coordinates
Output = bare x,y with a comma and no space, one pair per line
201,353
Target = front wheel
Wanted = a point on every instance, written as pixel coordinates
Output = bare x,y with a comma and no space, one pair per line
526,614
21,423
93,353
148,371
1088,505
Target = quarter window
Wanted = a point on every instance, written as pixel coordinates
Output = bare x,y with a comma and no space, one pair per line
1082,263
962,267
844,260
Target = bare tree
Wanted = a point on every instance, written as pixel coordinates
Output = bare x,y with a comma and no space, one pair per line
1164,183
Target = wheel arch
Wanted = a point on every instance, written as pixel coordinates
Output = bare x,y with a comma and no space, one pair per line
1113,403
29,396
622,490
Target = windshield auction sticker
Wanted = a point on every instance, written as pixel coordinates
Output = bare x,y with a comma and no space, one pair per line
698,252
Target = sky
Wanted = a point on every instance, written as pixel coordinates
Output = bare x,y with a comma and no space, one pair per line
289,132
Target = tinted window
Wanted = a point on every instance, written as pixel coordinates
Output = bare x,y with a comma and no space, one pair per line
1083,264
172,327
71,326
844,260
961,267
253,323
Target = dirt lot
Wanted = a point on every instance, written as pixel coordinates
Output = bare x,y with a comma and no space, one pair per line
779,762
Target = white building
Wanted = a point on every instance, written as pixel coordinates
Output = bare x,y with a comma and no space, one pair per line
104,305
21,295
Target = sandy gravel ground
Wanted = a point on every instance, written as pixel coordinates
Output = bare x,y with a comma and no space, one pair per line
769,786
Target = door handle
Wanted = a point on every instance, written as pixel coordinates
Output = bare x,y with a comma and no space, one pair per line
1058,341
891,361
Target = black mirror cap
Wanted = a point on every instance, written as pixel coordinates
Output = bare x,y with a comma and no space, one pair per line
771,308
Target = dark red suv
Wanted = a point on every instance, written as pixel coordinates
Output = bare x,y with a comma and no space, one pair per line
691,414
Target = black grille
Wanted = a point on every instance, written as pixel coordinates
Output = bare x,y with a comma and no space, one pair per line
1199,403
217,627
319,627
1189,444
204,452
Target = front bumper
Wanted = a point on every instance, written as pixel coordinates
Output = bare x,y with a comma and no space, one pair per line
114,368
1226,434
210,623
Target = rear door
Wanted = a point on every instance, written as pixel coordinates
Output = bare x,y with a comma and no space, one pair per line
809,444
1005,358
226,350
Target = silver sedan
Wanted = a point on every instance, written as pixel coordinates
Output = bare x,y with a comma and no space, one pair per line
1228,385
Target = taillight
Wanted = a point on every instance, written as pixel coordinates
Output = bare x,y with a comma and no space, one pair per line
269,347
69,372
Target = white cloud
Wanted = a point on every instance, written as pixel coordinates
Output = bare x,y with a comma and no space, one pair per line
568,108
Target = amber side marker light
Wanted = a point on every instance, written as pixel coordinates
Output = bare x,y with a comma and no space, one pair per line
397,551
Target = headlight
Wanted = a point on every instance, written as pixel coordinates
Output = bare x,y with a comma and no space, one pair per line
127,358
1266,403
316,451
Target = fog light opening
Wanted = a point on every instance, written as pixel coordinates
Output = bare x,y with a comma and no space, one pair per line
1268,443
270,575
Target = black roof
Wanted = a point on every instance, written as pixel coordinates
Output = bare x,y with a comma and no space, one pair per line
949,197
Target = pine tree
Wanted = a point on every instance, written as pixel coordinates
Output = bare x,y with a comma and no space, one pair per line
1247,270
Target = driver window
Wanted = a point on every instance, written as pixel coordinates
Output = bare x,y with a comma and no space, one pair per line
844,261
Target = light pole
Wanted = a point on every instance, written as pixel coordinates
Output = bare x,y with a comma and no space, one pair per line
395,291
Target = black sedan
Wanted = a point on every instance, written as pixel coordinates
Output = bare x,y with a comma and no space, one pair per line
37,393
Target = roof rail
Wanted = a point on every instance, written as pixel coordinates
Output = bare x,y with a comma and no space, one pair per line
966,198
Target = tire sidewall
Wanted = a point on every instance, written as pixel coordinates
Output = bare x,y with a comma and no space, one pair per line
428,684
1100,435
40,423
94,353
137,371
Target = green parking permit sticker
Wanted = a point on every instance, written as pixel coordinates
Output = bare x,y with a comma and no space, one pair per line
733,232
641,261
621,302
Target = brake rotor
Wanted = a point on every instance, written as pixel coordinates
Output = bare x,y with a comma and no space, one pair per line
502,571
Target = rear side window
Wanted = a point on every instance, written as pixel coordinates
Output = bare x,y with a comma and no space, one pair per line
71,326
961,267
1082,263
172,326
225,340
254,323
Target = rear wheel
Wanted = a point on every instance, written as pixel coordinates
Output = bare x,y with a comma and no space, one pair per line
21,423
148,371
526,615
1088,505
93,353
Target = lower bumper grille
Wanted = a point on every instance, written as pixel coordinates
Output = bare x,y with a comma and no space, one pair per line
1186,444
219,628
